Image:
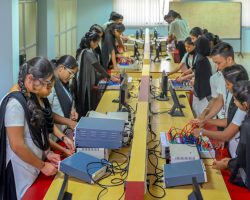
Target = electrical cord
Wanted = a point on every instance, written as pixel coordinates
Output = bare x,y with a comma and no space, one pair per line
156,113
112,168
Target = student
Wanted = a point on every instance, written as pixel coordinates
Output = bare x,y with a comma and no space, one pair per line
240,166
117,19
195,33
24,137
235,116
202,73
61,98
114,18
90,70
179,29
223,56
187,60
213,40
97,28
109,47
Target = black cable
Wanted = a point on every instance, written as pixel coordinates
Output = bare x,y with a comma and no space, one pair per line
113,168
156,113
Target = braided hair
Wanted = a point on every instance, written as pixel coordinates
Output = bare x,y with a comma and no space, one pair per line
39,68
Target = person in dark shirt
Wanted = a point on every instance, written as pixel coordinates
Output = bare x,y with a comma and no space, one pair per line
98,29
90,70
202,73
109,47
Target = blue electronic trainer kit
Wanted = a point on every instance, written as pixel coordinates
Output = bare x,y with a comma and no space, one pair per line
180,86
181,173
99,133
109,85
84,167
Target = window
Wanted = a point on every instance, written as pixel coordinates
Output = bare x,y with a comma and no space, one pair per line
65,37
142,12
28,28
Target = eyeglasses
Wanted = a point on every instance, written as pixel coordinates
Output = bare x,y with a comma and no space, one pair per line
46,83
71,73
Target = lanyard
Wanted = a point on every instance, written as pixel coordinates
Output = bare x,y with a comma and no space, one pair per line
225,104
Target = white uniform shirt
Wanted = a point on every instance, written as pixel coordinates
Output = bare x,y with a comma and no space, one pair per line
237,120
218,86
24,173
56,108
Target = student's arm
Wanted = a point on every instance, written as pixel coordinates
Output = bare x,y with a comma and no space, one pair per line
55,146
189,71
69,143
215,107
206,110
64,121
120,43
186,77
17,144
225,135
101,70
113,58
217,122
177,69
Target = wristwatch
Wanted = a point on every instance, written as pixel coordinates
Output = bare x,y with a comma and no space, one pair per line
201,132
62,138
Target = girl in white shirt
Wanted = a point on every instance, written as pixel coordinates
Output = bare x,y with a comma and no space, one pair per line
61,98
24,135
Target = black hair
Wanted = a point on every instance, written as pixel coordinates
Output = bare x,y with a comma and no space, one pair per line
85,41
115,16
196,32
97,28
223,49
213,38
241,91
188,40
202,46
235,73
173,14
39,68
113,26
67,60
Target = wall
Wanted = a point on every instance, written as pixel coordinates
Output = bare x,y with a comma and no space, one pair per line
9,41
235,43
46,28
91,12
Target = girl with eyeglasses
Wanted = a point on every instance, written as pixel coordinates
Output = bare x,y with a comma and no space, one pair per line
24,139
61,98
